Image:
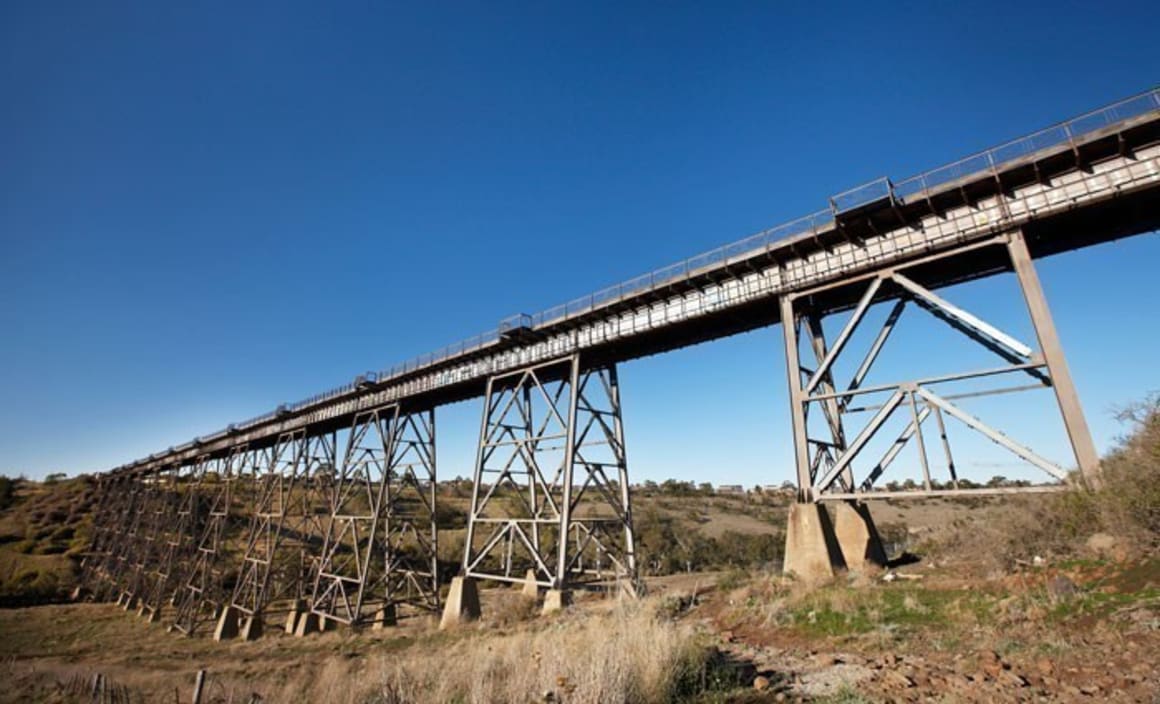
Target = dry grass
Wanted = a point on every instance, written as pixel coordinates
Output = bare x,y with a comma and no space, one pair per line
624,654
629,655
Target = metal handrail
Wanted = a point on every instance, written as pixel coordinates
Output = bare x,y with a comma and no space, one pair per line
985,161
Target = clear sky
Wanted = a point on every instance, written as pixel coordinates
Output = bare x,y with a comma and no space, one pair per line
207,209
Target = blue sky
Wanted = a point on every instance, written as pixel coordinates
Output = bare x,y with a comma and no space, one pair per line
206,211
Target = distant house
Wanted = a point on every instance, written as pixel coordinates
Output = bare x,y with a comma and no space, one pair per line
730,489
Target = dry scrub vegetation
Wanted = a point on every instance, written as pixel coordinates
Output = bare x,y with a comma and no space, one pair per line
628,655
1119,519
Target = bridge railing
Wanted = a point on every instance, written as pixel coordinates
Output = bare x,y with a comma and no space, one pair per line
996,157
986,161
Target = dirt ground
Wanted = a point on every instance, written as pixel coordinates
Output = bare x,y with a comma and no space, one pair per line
1074,632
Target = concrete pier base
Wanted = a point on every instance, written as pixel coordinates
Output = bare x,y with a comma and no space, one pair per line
385,617
812,552
462,603
858,537
227,624
530,588
293,615
556,600
308,623
252,628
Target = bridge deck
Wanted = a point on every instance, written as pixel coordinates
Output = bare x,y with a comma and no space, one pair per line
1088,180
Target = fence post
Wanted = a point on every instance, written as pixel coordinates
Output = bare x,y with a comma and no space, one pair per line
198,686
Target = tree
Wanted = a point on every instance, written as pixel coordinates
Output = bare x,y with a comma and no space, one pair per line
7,492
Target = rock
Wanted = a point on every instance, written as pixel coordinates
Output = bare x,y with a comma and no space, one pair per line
897,680
761,683
1044,666
1103,544
990,663
1061,589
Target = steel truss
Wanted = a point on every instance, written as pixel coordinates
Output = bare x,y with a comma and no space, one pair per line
824,451
291,483
380,542
551,491
141,541
203,589
176,516
99,575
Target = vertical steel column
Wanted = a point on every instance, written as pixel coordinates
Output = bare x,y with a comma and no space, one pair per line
1065,394
796,399
622,473
569,467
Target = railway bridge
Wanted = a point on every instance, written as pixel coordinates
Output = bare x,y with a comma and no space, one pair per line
325,511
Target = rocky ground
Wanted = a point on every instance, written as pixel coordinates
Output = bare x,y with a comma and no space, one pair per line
1081,633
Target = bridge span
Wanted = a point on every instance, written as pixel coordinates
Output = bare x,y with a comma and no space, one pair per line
325,510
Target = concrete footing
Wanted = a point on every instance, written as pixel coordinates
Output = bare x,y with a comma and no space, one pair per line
308,623
385,617
530,589
817,547
295,613
556,600
150,615
858,537
811,548
252,628
227,624
462,603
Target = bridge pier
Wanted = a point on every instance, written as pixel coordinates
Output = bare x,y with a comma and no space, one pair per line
291,480
551,494
227,624
201,594
811,549
822,412
381,530
462,604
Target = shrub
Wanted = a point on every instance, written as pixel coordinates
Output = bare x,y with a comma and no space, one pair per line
7,492
1125,503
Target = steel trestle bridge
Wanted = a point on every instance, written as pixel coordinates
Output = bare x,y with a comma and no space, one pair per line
325,510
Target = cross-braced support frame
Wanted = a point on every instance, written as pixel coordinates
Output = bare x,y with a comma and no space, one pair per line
826,455
551,490
292,480
380,542
203,590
